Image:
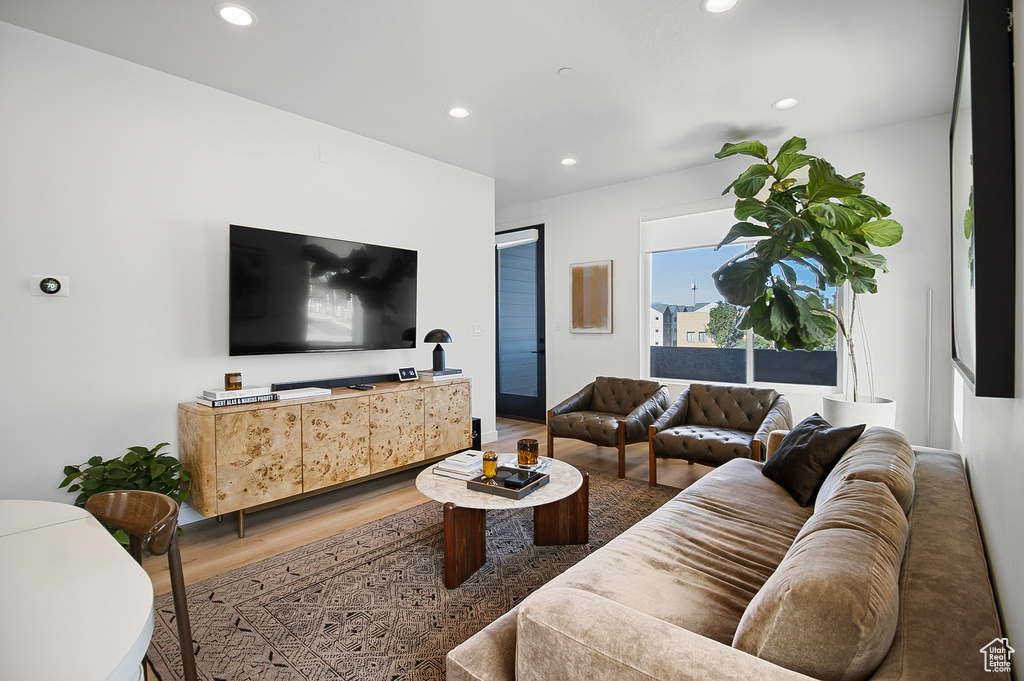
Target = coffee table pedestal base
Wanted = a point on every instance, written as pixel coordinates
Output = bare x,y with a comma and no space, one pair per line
566,521
465,543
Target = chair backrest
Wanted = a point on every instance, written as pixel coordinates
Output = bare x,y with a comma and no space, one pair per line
149,516
621,395
725,406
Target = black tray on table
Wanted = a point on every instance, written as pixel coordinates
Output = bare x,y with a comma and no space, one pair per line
512,483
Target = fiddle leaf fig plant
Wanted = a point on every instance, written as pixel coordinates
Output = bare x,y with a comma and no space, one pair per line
141,468
825,225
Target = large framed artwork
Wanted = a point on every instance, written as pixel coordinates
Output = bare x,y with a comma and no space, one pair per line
982,185
592,297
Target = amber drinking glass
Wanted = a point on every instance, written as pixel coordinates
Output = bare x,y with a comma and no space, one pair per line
527,452
490,466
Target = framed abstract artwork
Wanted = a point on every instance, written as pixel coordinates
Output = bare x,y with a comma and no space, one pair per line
982,186
592,297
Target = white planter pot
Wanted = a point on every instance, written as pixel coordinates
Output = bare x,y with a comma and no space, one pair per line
877,411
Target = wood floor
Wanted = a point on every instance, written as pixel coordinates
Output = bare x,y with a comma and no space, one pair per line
210,548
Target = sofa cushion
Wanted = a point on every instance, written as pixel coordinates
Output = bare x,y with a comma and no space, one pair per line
831,609
807,454
729,407
698,560
882,455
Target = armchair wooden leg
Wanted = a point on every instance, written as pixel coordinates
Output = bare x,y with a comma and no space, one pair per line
551,439
622,450
652,466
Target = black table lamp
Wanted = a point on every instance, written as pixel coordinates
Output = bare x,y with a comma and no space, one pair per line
438,336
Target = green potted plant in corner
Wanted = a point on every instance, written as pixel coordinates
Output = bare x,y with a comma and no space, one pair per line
140,468
826,226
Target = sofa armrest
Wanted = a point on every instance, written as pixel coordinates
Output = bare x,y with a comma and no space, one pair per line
774,439
675,415
488,655
779,417
577,402
569,635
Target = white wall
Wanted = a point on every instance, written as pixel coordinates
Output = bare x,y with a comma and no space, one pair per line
993,433
906,168
125,179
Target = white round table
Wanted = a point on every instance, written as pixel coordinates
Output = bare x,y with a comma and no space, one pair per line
73,603
560,514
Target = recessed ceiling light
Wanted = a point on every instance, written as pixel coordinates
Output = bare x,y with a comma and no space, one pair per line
565,72
235,14
718,6
786,103
568,161
459,112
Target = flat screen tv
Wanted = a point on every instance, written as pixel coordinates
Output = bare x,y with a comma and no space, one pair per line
291,293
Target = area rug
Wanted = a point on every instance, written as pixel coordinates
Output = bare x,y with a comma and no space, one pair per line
369,603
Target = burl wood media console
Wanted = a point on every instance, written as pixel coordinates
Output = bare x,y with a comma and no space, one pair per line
248,456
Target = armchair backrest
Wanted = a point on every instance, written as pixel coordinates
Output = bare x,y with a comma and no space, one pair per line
724,406
621,395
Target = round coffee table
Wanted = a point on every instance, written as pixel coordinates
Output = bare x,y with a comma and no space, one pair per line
560,514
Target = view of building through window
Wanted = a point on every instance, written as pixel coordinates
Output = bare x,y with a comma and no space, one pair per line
693,334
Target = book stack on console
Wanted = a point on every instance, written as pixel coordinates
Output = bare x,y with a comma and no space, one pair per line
462,466
442,375
244,395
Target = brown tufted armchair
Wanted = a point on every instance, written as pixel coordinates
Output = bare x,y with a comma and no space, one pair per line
610,412
711,424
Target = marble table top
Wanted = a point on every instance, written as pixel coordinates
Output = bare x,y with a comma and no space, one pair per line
565,480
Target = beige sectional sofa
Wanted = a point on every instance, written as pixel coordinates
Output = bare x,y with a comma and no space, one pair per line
883,577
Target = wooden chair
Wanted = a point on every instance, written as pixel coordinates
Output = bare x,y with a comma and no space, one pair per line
151,521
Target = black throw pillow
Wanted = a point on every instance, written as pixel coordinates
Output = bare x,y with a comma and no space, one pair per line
807,454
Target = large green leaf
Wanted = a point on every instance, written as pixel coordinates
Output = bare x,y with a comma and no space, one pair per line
752,148
750,181
785,223
837,241
788,272
743,229
742,282
882,233
749,208
867,206
791,146
786,164
773,250
824,183
875,261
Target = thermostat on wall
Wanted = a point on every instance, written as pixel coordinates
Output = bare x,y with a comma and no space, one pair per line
50,285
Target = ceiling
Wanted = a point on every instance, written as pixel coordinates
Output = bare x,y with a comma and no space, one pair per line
656,85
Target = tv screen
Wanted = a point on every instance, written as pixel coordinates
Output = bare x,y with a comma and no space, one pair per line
293,293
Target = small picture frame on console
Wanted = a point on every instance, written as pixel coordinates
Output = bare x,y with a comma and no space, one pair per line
406,373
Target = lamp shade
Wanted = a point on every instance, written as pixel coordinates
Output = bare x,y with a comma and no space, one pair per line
438,336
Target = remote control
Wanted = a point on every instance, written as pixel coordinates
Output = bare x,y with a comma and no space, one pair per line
361,386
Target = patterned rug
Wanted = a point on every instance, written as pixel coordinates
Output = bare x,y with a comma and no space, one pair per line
369,603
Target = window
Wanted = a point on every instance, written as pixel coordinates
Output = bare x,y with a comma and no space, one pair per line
703,343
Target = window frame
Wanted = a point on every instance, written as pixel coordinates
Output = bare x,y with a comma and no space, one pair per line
704,227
